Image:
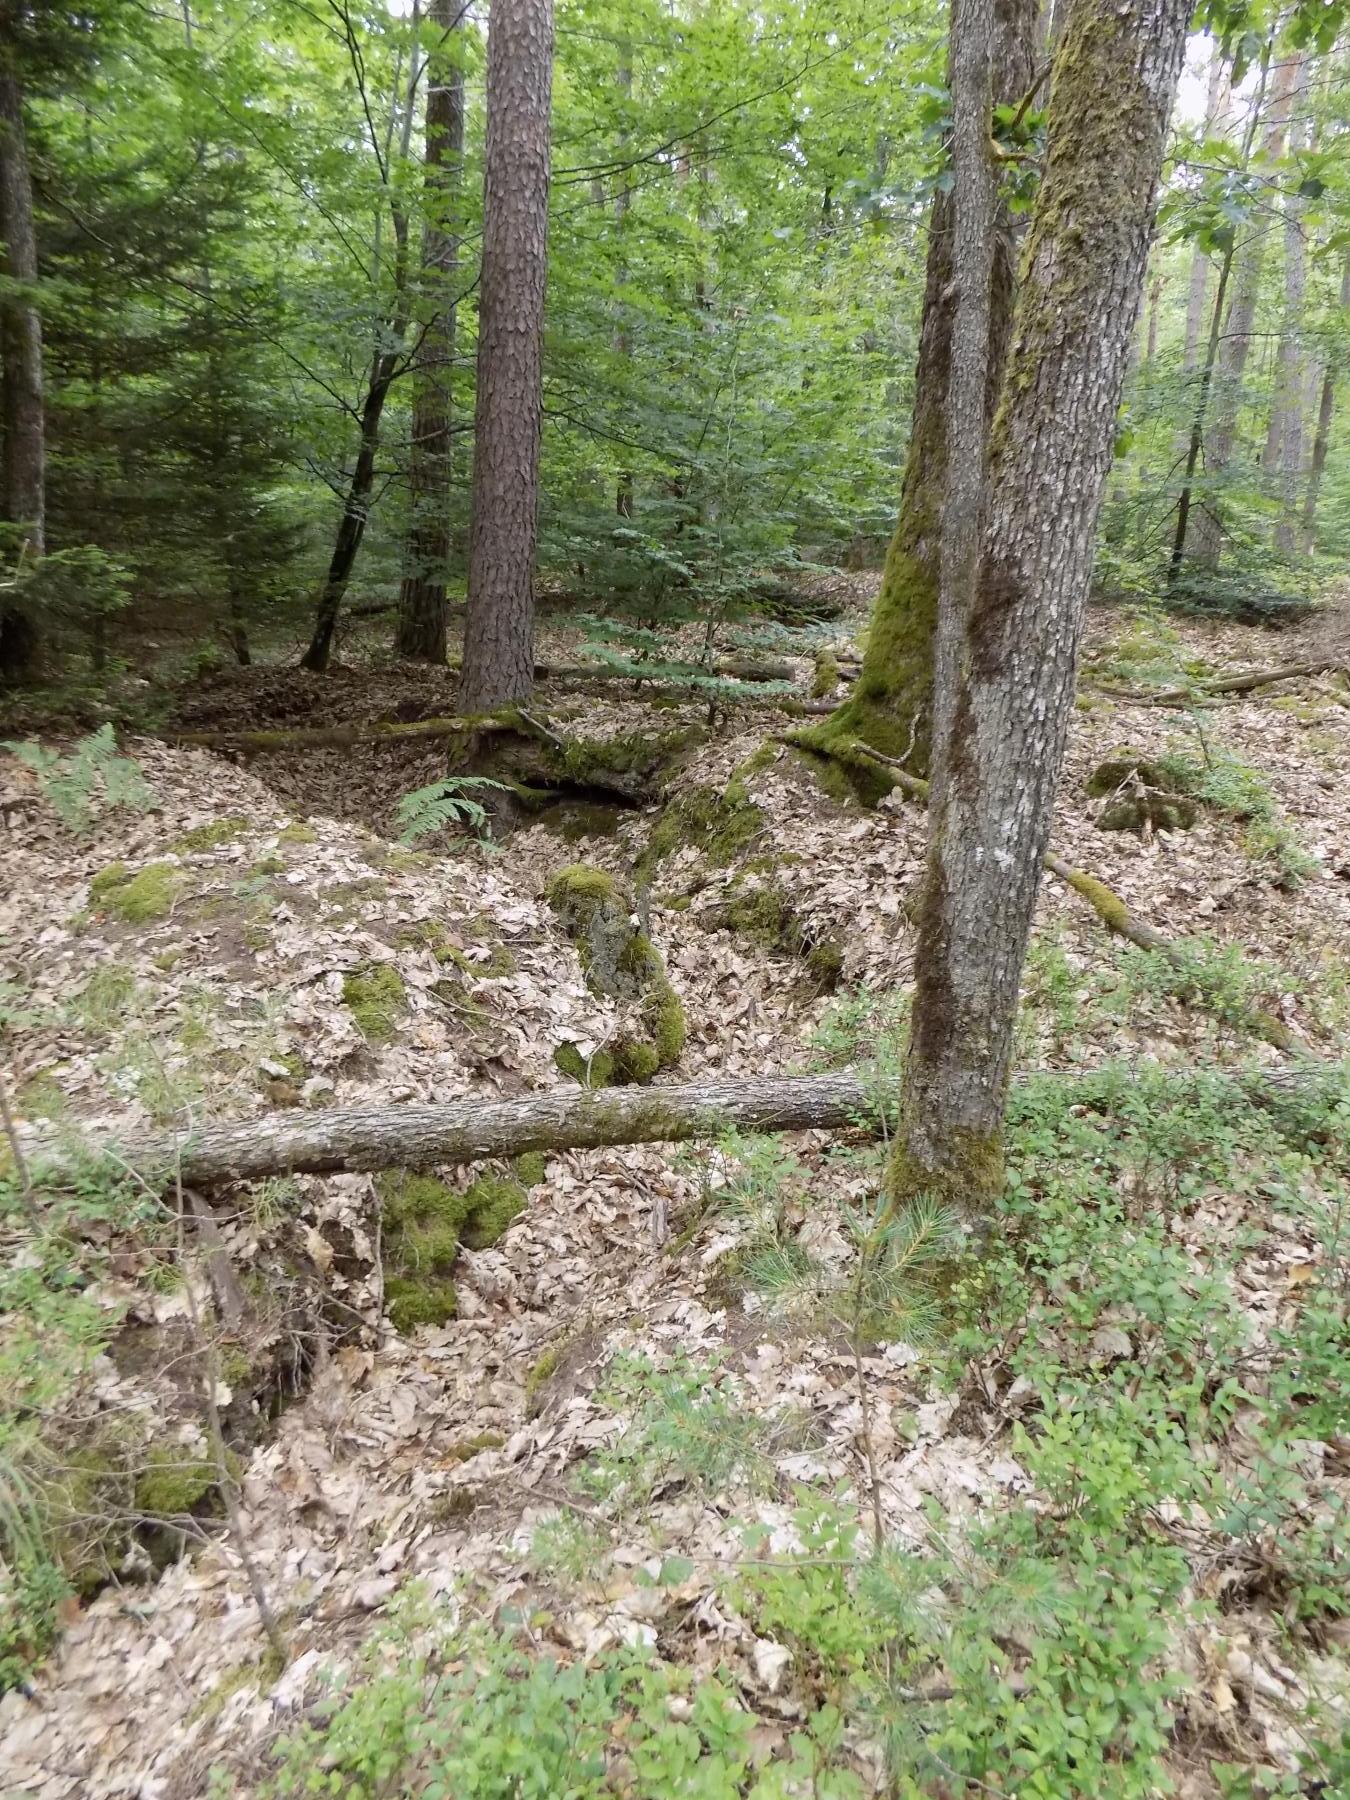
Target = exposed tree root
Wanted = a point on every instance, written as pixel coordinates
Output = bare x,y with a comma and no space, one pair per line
356,1139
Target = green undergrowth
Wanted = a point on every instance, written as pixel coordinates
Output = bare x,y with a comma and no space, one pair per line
1159,1439
80,1491
1230,787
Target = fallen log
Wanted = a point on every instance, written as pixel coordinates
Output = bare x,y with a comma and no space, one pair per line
338,1140
1243,683
322,737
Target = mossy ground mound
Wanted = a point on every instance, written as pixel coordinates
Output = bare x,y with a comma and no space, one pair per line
139,899
377,1000
621,963
764,913
425,1224
1141,795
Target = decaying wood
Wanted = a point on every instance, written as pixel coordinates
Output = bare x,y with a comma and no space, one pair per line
338,1140
1242,683
323,737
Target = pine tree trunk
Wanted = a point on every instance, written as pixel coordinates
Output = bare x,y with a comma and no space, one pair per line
24,496
891,704
422,606
1220,440
1002,725
499,633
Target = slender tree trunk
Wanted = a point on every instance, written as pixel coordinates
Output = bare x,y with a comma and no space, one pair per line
1284,440
385,365
1002,726
24,497
1220,440
891,704
623,499
1322,437
422,605
499,634
1216,111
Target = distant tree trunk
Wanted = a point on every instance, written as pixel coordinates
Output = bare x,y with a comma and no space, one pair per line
1002,724
1322,436
1216,108
890,707
1284,439
422,607
1220,440
24,498
623,499
499,634
385,365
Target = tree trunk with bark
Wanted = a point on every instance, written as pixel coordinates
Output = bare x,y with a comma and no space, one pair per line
1220,437
1322,436
420,636
1216,111
499,633
891,705
1283,458
24,497
1002,724
386,365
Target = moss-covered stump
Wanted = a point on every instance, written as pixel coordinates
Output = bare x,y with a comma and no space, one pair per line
425,1224
764,913
621,963
1140,794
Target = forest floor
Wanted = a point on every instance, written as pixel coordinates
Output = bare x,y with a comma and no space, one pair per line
578,1461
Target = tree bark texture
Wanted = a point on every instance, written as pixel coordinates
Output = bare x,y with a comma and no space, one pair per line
1284,440
997,760
24,497
891,705
1322,435
420,636
1220,438
337,1140
499,632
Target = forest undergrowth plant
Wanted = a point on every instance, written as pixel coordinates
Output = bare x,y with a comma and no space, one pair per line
83,784
1222,781
444,804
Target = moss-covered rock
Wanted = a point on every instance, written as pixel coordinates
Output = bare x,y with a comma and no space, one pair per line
621,963
210,836
138,899
377,1000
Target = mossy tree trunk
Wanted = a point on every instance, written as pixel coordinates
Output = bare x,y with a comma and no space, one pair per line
890,707
1003,722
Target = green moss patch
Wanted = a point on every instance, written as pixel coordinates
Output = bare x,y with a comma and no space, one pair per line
210,836
297,833
719,824
377,1000
138,899
425,1223
620,962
